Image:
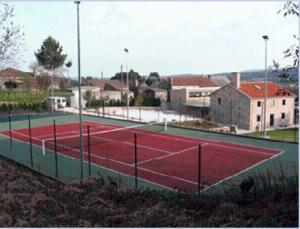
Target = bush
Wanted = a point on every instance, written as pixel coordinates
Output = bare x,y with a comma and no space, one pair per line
37,107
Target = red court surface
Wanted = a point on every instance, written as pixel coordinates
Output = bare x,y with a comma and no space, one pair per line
163,159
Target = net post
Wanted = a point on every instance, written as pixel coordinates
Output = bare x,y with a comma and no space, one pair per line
10,131
30,141
199,169
135,161
43,147
89,149
165,125
55,149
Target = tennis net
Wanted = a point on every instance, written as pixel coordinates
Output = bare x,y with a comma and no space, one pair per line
118,134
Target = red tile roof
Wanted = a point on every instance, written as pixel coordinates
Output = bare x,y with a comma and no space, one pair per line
192,81
114,83
256,89
11,72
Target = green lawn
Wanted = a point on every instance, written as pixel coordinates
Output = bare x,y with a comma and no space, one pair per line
290,134
14,96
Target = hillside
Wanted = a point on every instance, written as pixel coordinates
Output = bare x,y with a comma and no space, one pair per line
28,199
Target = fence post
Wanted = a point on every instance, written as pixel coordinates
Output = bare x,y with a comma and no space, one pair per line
89,149
135,161
10,132
55,149
103,111
30,141
140,113
199,169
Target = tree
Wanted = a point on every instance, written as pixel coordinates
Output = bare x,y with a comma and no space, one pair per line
153,78
11,37
36,69
132,76
87,95
69,65
50,56
63,84
292,8
29,83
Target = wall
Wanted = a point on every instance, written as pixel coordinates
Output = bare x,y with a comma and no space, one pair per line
178,97
234,108
276,109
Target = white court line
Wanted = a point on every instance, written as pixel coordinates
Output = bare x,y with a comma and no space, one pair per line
94,155
132,144
188,181
132,166
169,155
123,163
194,140
244,170
213,143
101,166
71,131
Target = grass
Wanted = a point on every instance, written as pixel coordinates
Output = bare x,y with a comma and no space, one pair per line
14,96
290,134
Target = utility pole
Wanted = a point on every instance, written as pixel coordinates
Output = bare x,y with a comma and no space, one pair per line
127,78
122,81
266,38
79,91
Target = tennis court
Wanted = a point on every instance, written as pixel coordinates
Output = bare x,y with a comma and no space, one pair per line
148,152
167,160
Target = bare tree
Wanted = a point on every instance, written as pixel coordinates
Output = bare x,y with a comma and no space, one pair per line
291,7
11,38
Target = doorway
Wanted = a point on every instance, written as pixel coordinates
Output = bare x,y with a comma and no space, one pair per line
271,120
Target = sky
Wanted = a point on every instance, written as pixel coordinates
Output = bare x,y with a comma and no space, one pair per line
197,37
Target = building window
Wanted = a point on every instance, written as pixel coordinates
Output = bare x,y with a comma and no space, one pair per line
273,103
258,118
219,101
259,103
282,115
283,102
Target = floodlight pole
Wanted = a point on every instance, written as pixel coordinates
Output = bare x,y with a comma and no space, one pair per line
122,81
79,91
127,79
266,38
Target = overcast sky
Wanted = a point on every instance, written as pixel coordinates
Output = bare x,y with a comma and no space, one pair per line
165,37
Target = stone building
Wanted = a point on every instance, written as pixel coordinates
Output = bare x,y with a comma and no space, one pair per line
242,104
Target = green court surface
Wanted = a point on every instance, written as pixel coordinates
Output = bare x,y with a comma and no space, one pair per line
69,168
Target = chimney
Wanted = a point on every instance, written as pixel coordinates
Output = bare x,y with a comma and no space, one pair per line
209,76
236,79
170,82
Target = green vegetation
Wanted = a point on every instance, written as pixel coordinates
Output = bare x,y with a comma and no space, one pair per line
63,93
14,96
36,106
196,124
144,101
290,134
32,200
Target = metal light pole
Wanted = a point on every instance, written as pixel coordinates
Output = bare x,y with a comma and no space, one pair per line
79,91
126,51
266,38
122,81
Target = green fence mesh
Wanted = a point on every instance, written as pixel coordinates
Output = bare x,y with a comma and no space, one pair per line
69,168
